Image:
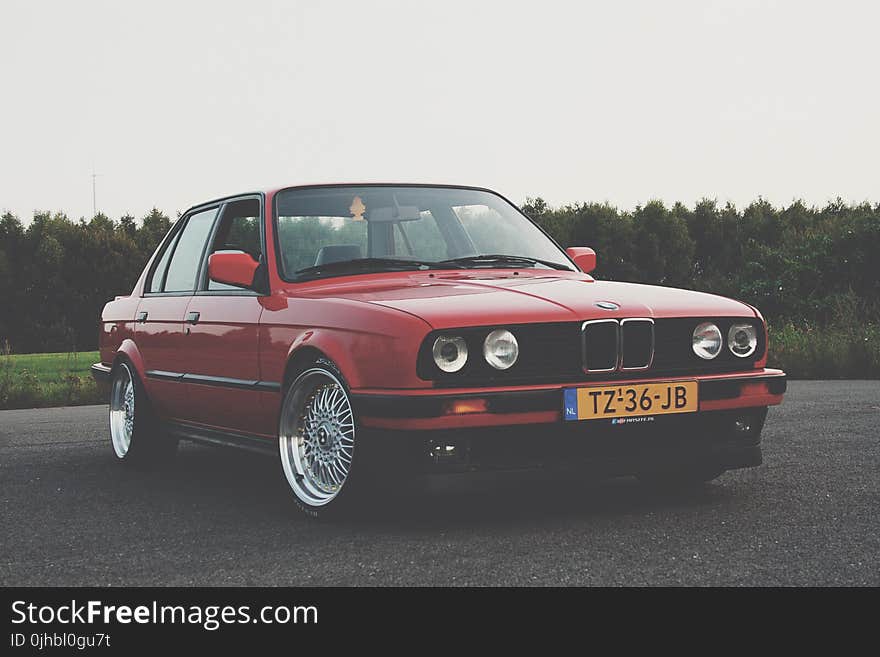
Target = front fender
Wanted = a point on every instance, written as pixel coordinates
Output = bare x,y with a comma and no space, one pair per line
373,346
366,360
763,360
333,347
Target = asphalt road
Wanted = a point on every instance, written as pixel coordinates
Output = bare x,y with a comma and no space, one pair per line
809,516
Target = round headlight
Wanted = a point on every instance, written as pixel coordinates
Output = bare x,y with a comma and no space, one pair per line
450,353
742,339
707,341
500,349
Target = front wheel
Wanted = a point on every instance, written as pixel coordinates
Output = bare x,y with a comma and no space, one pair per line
135,434
317,440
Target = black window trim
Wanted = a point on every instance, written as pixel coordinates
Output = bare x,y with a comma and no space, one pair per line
277,242
178,227
202,278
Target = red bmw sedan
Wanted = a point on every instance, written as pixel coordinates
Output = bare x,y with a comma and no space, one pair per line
363,333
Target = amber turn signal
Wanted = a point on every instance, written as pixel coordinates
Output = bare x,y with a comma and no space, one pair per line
463,406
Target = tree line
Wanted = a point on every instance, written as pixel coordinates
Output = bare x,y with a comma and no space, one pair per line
800,265
797,264
57,274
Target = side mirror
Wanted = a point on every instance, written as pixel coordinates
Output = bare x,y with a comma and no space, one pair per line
584,257
233,268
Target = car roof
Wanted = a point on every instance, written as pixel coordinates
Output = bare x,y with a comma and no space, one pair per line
372,183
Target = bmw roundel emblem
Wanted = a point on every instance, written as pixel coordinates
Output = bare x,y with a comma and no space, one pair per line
607,305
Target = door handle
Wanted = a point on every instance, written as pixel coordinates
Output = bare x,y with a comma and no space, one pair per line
142,317
192,317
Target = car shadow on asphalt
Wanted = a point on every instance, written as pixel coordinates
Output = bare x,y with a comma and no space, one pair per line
253,485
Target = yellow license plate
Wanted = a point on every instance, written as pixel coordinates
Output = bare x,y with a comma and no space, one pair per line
605,402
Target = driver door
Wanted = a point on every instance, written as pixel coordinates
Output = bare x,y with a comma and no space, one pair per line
221,331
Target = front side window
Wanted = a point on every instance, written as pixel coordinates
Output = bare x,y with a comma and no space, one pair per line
331,231
187,253
238,230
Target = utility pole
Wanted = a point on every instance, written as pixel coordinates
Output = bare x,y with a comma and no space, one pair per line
94,196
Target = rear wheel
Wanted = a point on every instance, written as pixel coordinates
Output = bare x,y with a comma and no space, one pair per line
318,440
135,434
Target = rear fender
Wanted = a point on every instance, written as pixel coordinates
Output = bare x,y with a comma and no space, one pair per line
128,349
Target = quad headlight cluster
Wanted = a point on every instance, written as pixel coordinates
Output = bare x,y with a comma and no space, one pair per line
500,350
742,340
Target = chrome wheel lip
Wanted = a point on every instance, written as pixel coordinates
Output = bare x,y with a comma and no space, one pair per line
122,410
316,436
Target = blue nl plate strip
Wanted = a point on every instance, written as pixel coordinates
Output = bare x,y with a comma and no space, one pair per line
570,403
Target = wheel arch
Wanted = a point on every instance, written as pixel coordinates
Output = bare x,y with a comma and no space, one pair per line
318,344
128,351
298,360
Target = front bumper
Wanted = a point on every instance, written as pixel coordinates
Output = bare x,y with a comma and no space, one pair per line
438,409
710,442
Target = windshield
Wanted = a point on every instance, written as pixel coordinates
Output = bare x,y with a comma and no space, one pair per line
334,231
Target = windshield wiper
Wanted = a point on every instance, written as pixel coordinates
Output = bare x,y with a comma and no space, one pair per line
494,260
364,265
367,265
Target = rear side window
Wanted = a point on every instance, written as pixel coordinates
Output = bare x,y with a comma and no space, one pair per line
187,253
159,272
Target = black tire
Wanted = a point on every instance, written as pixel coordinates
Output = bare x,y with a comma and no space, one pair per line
148,445
298,446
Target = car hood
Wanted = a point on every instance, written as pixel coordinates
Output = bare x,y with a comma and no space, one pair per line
478,298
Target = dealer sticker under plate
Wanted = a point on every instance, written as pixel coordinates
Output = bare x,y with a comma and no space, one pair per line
631,400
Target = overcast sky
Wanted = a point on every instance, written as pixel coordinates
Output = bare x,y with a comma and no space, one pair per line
174,103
